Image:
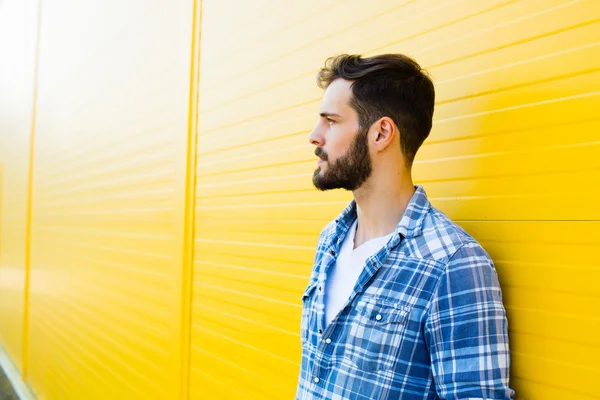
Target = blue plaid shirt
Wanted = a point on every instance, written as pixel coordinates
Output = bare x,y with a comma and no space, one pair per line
425,319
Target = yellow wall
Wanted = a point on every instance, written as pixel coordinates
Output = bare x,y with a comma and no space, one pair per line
18,28
513,157
109,184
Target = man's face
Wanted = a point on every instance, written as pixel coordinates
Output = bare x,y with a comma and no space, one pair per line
342,146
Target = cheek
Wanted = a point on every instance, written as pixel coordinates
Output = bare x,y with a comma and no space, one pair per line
339,142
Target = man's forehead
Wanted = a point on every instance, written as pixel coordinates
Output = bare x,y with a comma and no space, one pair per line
336,99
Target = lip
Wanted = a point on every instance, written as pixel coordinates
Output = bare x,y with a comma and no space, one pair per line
320,161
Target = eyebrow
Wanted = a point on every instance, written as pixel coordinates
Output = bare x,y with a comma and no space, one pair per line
327,114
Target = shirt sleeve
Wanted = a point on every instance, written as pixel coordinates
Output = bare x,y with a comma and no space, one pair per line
466,330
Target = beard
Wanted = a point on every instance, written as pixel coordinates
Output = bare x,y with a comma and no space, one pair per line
349,171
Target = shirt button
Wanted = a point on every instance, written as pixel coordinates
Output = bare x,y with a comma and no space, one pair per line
378,317
320,331
316,380
320,288
332,252
328,340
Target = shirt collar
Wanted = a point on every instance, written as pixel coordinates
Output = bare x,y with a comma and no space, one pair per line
410,224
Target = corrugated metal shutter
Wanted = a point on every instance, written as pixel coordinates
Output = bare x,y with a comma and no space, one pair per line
512,157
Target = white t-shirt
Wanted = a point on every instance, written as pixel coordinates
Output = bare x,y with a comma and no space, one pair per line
345,272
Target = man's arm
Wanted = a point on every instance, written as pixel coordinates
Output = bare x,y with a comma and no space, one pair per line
466,330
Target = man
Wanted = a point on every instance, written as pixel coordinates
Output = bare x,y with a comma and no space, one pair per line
402,303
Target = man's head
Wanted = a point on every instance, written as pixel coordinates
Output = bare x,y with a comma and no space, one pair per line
369,103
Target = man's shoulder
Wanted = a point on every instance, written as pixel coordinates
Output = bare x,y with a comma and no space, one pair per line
328,231
441,239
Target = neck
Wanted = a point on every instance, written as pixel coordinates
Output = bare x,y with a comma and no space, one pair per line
380,204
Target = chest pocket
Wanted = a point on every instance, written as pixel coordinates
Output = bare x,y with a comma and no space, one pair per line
308,299
376,334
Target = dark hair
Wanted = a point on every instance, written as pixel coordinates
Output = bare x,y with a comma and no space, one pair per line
391,85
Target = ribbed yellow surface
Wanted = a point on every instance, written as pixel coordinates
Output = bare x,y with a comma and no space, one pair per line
108,202
18,27
513,157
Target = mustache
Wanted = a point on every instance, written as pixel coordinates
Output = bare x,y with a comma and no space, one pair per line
319,152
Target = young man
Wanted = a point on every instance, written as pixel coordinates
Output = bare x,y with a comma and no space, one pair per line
402,303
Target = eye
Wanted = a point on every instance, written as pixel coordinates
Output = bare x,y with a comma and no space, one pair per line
330,121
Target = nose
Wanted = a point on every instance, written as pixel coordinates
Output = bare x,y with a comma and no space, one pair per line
316,138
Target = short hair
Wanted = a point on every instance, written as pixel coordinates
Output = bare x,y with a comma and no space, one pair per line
391,85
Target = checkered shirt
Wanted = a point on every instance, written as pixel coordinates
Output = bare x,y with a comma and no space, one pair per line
425,319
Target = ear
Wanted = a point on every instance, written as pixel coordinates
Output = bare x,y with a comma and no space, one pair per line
386,131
